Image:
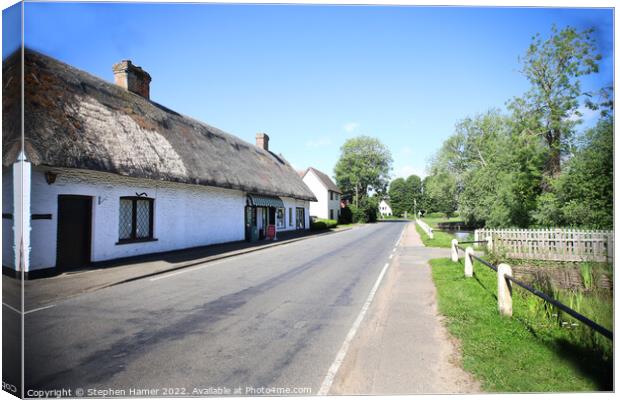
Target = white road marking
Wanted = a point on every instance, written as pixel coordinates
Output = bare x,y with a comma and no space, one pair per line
333,370
11,308
391,255
39,309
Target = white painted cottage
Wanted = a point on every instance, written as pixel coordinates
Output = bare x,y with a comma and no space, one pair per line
326,192
384,209
106,173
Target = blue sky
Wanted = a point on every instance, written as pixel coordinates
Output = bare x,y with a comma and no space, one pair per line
313,76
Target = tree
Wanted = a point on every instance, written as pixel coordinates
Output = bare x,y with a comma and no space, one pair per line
365,163
413,193
440,193
550,109
397,195
583,193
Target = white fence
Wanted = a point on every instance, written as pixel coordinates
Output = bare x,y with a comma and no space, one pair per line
425,227
552,244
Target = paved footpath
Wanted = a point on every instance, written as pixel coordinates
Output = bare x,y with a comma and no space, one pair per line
402,346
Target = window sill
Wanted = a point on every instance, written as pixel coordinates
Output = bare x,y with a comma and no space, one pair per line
130,241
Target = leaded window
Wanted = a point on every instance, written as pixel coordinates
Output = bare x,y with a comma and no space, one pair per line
135,219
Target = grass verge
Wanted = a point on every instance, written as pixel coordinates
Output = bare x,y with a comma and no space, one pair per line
520,354
440,239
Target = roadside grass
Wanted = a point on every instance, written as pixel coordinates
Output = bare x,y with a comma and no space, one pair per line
440,239
531,352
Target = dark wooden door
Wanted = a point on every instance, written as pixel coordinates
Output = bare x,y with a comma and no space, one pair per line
74,230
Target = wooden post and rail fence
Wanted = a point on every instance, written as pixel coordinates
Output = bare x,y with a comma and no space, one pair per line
505,281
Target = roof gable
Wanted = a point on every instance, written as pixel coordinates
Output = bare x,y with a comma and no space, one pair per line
325,180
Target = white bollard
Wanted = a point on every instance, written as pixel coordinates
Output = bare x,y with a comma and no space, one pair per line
455,251
489,243
430,232
469,262
504,290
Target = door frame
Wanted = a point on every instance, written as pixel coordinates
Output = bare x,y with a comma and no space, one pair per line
88,246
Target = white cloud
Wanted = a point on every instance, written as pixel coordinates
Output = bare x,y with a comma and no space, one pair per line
407,170
318,142
350,126
406,151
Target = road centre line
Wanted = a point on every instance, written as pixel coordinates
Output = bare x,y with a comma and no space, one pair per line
333,369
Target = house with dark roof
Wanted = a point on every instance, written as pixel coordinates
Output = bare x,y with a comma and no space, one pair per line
327,204
104,172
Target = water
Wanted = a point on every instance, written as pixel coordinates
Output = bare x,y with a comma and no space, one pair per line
460,234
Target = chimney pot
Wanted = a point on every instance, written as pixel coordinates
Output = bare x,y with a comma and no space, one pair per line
262,141
132,78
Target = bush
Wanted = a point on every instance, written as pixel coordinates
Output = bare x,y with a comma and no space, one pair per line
320,224
370,206
346,216
357,215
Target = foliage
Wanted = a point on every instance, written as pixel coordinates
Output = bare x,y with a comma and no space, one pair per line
320,224
551,106
357,214
503,170
440,193
346,216
370,208
365,163
397,194
583,194
530,352
405,194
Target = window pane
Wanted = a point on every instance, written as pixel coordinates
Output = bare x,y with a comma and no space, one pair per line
143,219
124,219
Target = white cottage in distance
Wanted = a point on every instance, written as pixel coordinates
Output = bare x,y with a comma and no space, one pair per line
106,173
326,192
384,209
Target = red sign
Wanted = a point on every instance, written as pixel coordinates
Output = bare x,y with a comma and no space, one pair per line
271,231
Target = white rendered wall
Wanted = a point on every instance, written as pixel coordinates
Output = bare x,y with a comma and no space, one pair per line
384,208
317,208
8,257
184,215
334,205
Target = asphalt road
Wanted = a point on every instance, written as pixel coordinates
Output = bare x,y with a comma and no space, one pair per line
273,318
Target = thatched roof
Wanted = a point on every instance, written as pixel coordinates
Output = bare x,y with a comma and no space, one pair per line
75,120
325,180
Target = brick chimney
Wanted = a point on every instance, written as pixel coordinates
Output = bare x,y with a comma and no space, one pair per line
262,141
132,78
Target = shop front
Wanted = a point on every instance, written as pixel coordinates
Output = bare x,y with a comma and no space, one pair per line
260,217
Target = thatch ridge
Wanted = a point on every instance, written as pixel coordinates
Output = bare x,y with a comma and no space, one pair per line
73,119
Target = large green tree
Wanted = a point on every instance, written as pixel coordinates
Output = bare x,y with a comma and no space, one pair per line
365,163
397,193
551,108
583,194
405,195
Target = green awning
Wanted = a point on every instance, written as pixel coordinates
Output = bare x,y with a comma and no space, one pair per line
265,201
